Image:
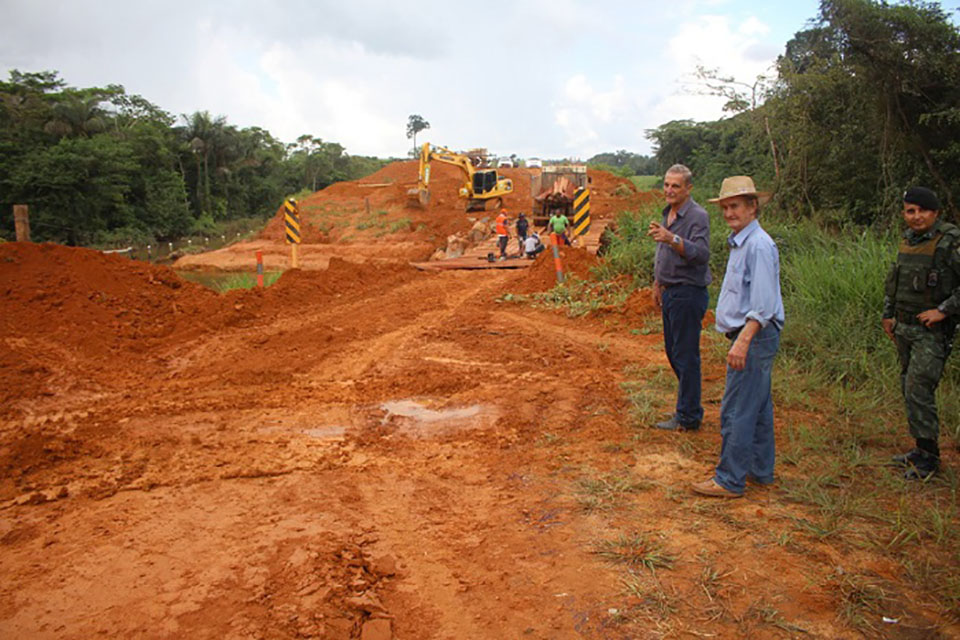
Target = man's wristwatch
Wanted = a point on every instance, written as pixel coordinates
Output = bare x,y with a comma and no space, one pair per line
676,239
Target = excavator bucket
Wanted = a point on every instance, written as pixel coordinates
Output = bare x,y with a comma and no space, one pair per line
419,197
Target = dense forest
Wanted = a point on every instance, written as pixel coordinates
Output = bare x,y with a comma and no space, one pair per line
98,165
625,163
864,102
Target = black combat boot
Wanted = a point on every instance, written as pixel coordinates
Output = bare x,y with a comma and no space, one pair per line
908,458
927,461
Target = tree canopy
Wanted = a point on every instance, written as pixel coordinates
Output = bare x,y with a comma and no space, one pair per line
98,162
865,102
416,124
625,163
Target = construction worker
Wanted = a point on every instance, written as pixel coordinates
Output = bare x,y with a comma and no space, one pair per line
532,246
503,232
522,225
558,226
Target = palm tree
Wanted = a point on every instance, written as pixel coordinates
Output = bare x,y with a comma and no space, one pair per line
203,134
77,115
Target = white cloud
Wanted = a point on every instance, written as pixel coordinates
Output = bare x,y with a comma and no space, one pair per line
537,77
714,42
753,26
581,109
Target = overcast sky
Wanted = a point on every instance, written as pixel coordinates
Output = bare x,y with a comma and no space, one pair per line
548,78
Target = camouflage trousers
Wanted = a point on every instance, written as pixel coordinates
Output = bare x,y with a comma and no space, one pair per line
923,354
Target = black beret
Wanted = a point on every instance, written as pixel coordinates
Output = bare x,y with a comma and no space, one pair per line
923,198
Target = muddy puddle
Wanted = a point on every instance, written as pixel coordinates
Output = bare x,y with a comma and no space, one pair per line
414,418
333,432
417,419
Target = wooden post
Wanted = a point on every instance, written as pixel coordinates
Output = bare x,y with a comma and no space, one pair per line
294,256
21,220
366,204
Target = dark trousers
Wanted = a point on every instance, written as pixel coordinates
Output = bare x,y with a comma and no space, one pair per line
683,307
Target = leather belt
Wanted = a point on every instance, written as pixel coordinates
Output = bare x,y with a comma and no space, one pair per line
907,318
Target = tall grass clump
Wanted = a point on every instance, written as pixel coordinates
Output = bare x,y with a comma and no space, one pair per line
833,288
631,252
244,281
833,294
832,285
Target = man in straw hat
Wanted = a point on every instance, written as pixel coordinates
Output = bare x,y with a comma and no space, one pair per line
920,314
750,314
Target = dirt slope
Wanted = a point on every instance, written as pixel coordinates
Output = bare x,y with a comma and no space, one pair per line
368,451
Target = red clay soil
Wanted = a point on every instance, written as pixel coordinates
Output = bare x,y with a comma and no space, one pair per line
386,191
542,275
372,452
612,194
335,221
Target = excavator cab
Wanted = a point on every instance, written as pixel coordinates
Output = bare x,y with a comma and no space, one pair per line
484,181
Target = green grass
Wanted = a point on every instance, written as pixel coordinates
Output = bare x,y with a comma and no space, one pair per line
377,221
244,281
402,224
838,371
577,297
636,550
861,600
609,491
646,183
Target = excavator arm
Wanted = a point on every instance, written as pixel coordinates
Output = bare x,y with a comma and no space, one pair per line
492,188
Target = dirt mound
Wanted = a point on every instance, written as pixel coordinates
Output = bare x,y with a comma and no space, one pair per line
378,209
611,194
542,275
48,291
80,318
341,278
69,308
640,303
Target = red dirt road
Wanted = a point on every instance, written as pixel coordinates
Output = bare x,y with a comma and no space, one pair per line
367,451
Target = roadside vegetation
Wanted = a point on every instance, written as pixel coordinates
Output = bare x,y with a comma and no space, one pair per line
223,282
99,166
836,370
864,75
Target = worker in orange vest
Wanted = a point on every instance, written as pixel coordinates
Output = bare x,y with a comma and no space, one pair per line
503,232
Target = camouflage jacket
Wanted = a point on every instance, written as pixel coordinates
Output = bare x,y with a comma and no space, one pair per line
941,284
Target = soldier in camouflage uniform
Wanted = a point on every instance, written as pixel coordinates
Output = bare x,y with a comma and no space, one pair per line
920,314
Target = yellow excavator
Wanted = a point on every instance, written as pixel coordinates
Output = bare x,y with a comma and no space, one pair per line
480,187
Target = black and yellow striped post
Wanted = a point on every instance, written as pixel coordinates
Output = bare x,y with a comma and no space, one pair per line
581,212
291,217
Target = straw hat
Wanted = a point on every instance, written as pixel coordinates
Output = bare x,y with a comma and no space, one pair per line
740,186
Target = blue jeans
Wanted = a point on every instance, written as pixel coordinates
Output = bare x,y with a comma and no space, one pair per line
682,308
746,417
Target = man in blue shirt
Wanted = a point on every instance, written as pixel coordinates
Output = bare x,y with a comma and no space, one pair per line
750,314
681,274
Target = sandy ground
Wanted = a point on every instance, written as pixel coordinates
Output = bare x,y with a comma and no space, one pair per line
368,451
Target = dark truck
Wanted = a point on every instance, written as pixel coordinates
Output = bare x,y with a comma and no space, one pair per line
553,189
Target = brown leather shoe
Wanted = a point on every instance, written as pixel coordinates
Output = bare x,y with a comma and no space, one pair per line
714,490
754,482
